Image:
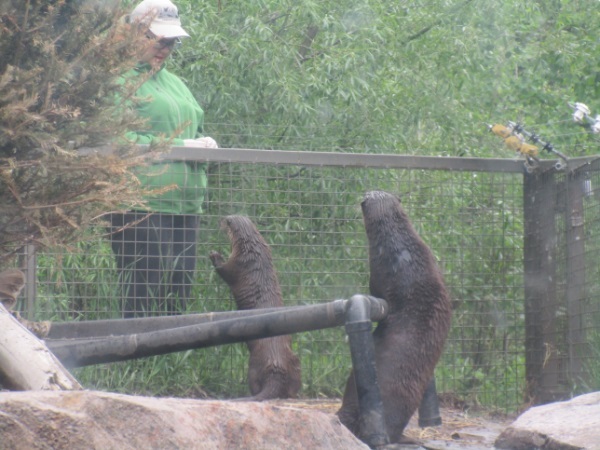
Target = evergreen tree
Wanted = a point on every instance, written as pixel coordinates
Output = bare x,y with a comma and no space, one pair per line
60,63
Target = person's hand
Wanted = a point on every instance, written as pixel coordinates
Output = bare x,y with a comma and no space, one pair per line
203,142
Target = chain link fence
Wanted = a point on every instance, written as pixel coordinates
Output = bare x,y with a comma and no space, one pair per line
521,266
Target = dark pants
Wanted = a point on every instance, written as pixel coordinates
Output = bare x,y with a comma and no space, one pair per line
156,258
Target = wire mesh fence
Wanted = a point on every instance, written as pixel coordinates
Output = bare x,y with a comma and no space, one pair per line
307,207
562,262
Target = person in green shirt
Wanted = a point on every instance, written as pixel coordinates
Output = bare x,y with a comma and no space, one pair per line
155,247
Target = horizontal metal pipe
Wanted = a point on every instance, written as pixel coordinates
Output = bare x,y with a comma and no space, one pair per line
119,327
89,351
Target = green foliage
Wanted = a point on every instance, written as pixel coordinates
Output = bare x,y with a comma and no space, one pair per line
295,66
500,385
192,374
591,382
70,290
406,78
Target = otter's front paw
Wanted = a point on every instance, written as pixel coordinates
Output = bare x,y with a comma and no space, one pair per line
216,258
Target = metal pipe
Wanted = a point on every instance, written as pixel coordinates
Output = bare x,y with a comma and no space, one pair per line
89,351
119,327
372,429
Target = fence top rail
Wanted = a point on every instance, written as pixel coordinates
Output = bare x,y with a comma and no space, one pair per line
373,160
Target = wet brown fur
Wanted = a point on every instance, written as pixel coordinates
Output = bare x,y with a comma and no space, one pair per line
274,370
410,340
12,282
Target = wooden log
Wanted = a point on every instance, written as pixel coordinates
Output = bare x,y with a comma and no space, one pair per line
25,361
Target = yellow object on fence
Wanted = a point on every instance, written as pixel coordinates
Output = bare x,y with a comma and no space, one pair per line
513,141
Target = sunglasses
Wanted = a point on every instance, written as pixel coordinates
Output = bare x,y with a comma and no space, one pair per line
165,43
168,43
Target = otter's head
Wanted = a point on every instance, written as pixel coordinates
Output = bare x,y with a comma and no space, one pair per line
384,216
239,228
12,282
379,204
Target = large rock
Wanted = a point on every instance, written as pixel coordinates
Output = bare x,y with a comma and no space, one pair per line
97,420
570,425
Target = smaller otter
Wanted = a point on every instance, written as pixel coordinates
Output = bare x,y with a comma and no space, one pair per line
12,282
274,370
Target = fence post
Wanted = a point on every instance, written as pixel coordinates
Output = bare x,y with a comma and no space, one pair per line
541,359
30,281
575,276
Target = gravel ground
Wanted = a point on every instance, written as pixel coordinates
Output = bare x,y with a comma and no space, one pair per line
460,430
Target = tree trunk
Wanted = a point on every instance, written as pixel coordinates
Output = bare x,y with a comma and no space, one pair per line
25,361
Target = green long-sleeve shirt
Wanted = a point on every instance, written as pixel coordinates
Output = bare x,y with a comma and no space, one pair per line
173,114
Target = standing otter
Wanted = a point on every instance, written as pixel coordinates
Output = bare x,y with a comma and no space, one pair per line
409,341
273,370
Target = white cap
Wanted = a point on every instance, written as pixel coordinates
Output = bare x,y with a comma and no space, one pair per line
162,16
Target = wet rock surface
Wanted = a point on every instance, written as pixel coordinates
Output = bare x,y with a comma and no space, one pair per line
568,425
97,420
